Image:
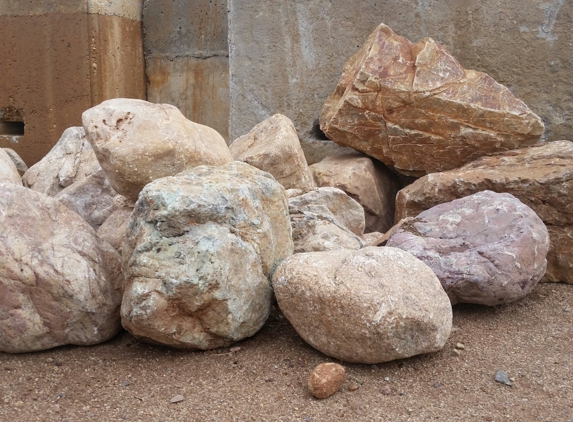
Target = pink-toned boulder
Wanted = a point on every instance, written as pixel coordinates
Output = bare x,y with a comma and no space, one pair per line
540,176
487,248
372,186
114,229
59,282
137,142
414,107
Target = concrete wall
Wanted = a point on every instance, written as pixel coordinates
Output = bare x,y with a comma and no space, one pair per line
61,58
286,56
187,58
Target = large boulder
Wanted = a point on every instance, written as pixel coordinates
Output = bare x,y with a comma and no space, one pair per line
91,198
273,146
325,219
371,185
71,159
136,142
200,249
17,160
487,248
540,176
415,108
366,306
59,283
114,228
8,171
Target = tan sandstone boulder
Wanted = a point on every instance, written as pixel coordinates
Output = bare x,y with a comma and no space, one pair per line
114,229
8,171
200,249
487,248
540,176
366,306
136,142
273,146
59,283
372,186
71,159
415,108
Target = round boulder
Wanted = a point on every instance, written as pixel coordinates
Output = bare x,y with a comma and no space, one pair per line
59,283
366,306
487,248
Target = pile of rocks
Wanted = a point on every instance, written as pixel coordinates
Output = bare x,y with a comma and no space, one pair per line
146,220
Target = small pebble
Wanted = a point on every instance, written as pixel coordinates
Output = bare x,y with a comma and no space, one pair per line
126,383
353,386
385,390
457,352
502,377
460,346
177,398
326,379
437,385
234,349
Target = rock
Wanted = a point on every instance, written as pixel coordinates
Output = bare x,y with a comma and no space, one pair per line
372,186
415,108
367,306
502,378
8,171
136,142
273,146
540,176
91,198
325,219
326,379
176,399
114,229
17,160
347,212
353,386
71,159
487,248
200,249
373,239
59,283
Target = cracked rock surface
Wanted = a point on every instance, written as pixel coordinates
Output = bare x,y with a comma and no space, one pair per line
487,248
414,107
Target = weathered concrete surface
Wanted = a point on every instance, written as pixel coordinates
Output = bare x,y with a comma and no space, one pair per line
187,58
299,48
65,57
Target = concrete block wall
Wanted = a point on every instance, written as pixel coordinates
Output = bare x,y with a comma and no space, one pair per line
59,58
187,58
286,56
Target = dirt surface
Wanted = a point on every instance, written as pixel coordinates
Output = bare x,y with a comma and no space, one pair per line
264,378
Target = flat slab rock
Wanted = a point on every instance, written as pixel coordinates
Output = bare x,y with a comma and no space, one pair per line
59,283
414,107
365,306
487,248
540,176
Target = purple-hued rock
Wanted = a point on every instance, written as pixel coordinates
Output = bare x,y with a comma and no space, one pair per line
487,248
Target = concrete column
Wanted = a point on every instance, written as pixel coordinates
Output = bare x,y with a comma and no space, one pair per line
187,58
59,59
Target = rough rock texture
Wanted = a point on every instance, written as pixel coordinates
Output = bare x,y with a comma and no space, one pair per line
415,108
200,249
367,306
91,198
71,159
346,210
373,186
8,171
540,176
59,283
17,160
273,146
487,248
325,219
114,229
137,142
326,379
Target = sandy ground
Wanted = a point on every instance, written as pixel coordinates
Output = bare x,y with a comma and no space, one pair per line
265,380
